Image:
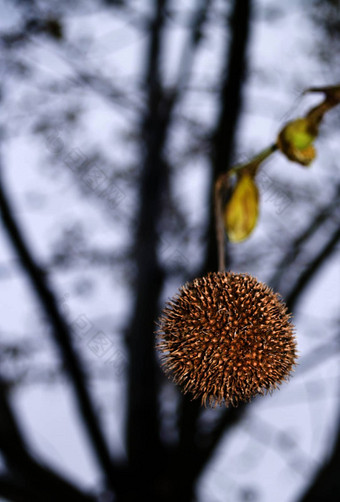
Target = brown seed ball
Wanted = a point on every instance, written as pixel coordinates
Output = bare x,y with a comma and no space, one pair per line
225,338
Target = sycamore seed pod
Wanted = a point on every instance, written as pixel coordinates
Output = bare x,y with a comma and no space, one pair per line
225,338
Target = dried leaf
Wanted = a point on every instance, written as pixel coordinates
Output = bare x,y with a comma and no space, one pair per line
305,156
296,138
241,212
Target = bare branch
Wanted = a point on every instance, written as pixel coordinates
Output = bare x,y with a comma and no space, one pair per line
29,474
62,337
326,483
312,268
190,46
143,427
222,145
297,246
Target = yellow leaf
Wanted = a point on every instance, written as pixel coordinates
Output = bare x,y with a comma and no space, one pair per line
241,212
296,138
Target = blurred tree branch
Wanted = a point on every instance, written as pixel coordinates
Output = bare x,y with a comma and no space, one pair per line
298,246
37,482
191,453
314,265
326,483
143,442
223,138
145,449
62,337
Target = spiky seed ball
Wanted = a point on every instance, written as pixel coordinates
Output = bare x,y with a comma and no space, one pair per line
225,338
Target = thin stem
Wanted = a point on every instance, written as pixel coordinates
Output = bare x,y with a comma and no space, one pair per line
221,186
256,161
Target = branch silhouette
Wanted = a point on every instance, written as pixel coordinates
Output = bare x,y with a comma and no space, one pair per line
62,337
33,480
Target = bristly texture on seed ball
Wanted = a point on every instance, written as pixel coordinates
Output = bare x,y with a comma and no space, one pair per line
225,338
